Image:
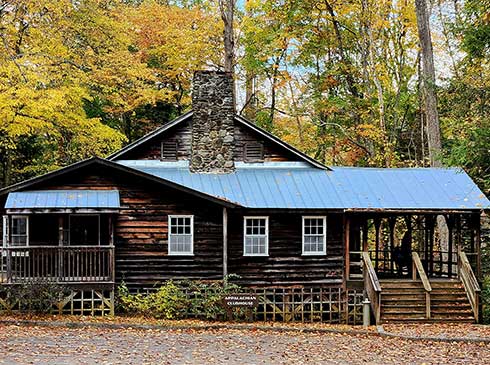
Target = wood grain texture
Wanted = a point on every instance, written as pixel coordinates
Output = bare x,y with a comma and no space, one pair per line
181,134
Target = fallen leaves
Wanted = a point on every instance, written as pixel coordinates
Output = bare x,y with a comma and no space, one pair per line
46,345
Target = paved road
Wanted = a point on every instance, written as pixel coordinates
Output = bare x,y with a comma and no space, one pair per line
37,345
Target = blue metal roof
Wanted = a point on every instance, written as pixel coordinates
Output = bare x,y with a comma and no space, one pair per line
298,185
96,199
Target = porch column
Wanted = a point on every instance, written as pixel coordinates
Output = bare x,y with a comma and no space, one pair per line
347,246
377,226
392,224
450,226
477,224
60,230
225,242
429,226
111,230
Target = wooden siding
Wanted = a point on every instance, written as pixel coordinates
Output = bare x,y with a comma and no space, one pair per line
141,236
181,134
285,264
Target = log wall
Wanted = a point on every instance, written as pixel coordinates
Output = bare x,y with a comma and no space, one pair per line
285,265
141,236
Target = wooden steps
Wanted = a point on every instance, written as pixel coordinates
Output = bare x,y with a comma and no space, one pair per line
405,301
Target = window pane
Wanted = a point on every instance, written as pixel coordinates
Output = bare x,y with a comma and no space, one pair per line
313,235
180,236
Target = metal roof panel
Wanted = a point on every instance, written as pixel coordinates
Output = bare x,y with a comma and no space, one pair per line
298,185
38,199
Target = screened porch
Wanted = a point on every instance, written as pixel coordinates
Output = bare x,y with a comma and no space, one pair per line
391,239
59,236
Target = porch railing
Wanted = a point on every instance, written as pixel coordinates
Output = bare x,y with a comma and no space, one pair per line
372,286
58,264
436,263
470,283
418,268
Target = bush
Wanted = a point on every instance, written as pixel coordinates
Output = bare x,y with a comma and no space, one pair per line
485,298
38,297
177,300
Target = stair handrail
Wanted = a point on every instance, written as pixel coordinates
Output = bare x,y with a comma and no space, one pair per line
418,268
372,286
470,283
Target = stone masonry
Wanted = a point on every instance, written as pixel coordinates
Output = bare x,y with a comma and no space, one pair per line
212,122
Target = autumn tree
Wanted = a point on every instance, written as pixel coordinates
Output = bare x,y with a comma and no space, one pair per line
42,90
428,83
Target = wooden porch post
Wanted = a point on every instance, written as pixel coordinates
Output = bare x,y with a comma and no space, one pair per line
365,235
111,230
450,226
6,244
377,226
392,224
430,220
477,224
347,246
61,269
225,242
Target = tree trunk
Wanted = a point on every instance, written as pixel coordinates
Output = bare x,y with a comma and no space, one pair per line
227,9
428,83
369,40
250,107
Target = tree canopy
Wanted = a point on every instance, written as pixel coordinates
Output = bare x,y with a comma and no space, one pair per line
341,80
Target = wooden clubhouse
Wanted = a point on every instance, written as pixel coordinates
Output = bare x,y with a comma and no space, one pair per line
211,194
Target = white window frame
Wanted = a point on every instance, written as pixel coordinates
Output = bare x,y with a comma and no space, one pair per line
170,252
26,217
314,253
245,235
83,215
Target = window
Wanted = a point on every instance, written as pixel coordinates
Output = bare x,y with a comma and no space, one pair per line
169,150
181,235
20,231
256,236
314,236
253,152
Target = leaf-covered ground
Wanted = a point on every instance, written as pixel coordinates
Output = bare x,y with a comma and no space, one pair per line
441,330
44,345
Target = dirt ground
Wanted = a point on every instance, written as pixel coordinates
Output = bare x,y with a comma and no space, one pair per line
43,345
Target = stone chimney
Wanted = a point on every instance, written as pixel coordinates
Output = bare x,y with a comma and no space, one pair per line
212,122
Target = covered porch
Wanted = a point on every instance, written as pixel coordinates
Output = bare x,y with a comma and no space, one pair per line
417,265
59,236
391,239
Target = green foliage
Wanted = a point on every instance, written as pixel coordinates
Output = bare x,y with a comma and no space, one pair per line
476,28
177,300
485,297
39,298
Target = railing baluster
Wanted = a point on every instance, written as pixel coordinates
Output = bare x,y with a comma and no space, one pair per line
56,263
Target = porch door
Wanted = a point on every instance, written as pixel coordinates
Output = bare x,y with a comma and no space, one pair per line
84,230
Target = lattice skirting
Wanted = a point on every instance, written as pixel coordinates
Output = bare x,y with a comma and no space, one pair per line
327,305
75,302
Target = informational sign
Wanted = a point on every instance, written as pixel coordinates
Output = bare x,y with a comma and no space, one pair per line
241,300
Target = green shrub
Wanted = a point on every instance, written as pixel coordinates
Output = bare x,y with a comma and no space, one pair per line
180,299
485,298
38,297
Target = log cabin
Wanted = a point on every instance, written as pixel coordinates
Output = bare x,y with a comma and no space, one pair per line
211,194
